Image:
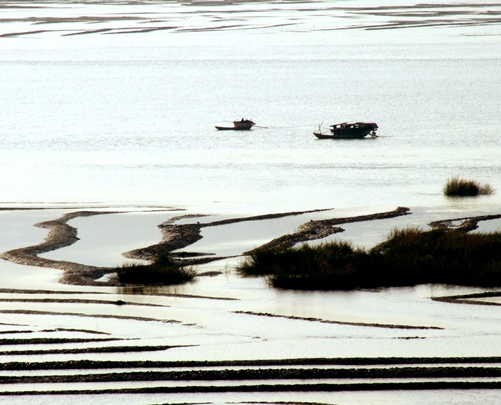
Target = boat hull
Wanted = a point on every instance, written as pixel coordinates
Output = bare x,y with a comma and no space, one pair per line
349,134
233,128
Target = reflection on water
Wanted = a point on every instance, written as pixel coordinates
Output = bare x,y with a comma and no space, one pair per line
493,225
88,139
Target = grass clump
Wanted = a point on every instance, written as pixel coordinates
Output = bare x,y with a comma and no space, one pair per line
408,257
163,270
457,187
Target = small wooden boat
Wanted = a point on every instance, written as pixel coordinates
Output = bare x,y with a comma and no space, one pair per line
242,125
349,130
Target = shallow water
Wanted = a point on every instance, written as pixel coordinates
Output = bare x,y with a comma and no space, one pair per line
130,117
119,232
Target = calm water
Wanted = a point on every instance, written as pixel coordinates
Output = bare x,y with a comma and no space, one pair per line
129,118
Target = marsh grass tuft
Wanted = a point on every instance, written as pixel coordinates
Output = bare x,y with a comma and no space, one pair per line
163,270
457,187
409,257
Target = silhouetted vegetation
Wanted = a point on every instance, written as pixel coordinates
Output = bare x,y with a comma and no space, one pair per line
408,257
163,270
457,187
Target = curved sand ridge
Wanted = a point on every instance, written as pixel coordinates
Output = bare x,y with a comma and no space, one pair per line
177,236
60,235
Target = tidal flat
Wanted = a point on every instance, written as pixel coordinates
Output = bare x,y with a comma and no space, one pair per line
224,336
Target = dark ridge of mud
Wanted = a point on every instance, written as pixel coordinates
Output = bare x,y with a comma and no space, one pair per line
262,374
320,229
92,332
18,34
126,290
325,387
66,20
469,299
467,224
52,341
209,274
264,216
394,25
88,350
12,332
190,364
79,314
181,255
371,325
157,290
80,301
205,260
174,237
124,30
50,292
22,332
98,31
